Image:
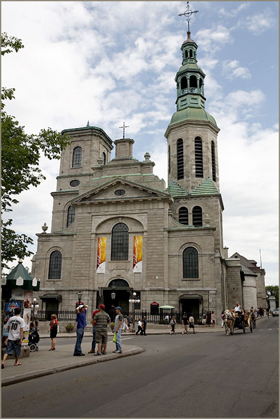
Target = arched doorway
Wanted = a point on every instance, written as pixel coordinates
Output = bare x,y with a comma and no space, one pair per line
191,304
117,294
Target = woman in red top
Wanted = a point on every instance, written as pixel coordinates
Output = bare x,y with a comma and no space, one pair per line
53,330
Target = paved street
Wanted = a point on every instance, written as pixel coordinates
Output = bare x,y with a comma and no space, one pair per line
202,375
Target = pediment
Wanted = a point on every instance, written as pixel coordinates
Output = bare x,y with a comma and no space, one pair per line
120,190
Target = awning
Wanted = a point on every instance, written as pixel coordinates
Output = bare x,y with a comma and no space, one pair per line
154,304
50,296
190,297
19,277
166,307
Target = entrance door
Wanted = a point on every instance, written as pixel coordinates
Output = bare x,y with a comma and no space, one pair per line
121,299
190,306
51,308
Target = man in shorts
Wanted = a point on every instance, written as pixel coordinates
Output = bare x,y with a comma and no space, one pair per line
15,327
191,323
101,320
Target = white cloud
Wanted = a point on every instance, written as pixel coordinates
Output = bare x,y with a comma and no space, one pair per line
213,39
261,22
233,12
232,69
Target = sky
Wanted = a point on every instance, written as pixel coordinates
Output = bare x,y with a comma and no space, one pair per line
114,62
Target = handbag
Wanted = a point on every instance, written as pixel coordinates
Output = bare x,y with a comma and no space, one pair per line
115,338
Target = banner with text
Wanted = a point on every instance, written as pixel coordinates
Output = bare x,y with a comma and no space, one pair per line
101,255
137,253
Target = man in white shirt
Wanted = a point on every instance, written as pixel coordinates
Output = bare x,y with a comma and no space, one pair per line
15,327
237,308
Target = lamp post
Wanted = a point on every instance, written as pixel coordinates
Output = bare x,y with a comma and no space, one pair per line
113,294
134,300
34,305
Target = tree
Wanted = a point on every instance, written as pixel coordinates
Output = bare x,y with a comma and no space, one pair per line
273,290
21,154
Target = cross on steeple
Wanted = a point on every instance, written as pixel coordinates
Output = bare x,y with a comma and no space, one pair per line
188,14
123,128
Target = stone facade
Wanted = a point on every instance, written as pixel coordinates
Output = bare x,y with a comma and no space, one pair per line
184,263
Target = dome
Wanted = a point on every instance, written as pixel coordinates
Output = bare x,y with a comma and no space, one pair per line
192,114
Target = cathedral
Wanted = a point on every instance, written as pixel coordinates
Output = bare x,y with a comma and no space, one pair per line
119,231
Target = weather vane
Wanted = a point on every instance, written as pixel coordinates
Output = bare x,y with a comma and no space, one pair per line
123,128
188,13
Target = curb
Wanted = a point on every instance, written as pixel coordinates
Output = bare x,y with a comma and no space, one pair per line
14,380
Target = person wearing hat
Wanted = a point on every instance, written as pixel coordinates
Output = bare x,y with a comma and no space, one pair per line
101,320
118,329
82,322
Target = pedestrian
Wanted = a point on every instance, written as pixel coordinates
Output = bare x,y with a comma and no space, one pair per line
213,320
128,319
15,326
191,323
204,317
208,318
172,324
118,329
82,322
53,330
185,323
139,327
267,311
222,316
101,321
144,326
93,343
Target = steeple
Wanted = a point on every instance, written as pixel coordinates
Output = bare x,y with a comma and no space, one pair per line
192,132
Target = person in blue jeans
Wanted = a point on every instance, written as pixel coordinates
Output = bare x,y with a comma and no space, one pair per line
82,322
118,330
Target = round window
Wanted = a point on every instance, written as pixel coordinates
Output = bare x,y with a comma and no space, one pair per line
119,192
74,183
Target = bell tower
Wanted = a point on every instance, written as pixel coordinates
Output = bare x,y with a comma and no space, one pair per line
192,132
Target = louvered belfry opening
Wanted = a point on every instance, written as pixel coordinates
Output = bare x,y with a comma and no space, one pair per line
184,215
213,161
180,159
198,157
197,216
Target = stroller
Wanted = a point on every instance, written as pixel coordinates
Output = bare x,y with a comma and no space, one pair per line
33,338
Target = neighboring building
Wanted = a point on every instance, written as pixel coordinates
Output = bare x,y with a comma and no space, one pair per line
117,228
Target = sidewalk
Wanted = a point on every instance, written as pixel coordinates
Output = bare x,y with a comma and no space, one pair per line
45,362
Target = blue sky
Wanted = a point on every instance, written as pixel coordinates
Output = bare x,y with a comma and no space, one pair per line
109,62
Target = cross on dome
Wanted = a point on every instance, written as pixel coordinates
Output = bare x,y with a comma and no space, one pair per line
188,13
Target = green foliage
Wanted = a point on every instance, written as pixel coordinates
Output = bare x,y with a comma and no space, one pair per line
10,44
273,290
21,154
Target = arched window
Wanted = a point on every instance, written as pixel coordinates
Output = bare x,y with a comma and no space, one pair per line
184,215
180,159
184,83
193,81
213,161
70,215
198,157
186,54
200,83
104,158
77,157
190,263
119,249
55,265
191,53
197,216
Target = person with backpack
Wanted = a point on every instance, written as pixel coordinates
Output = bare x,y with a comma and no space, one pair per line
172,324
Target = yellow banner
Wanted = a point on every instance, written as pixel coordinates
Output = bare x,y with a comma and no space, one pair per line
101,255
137,253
